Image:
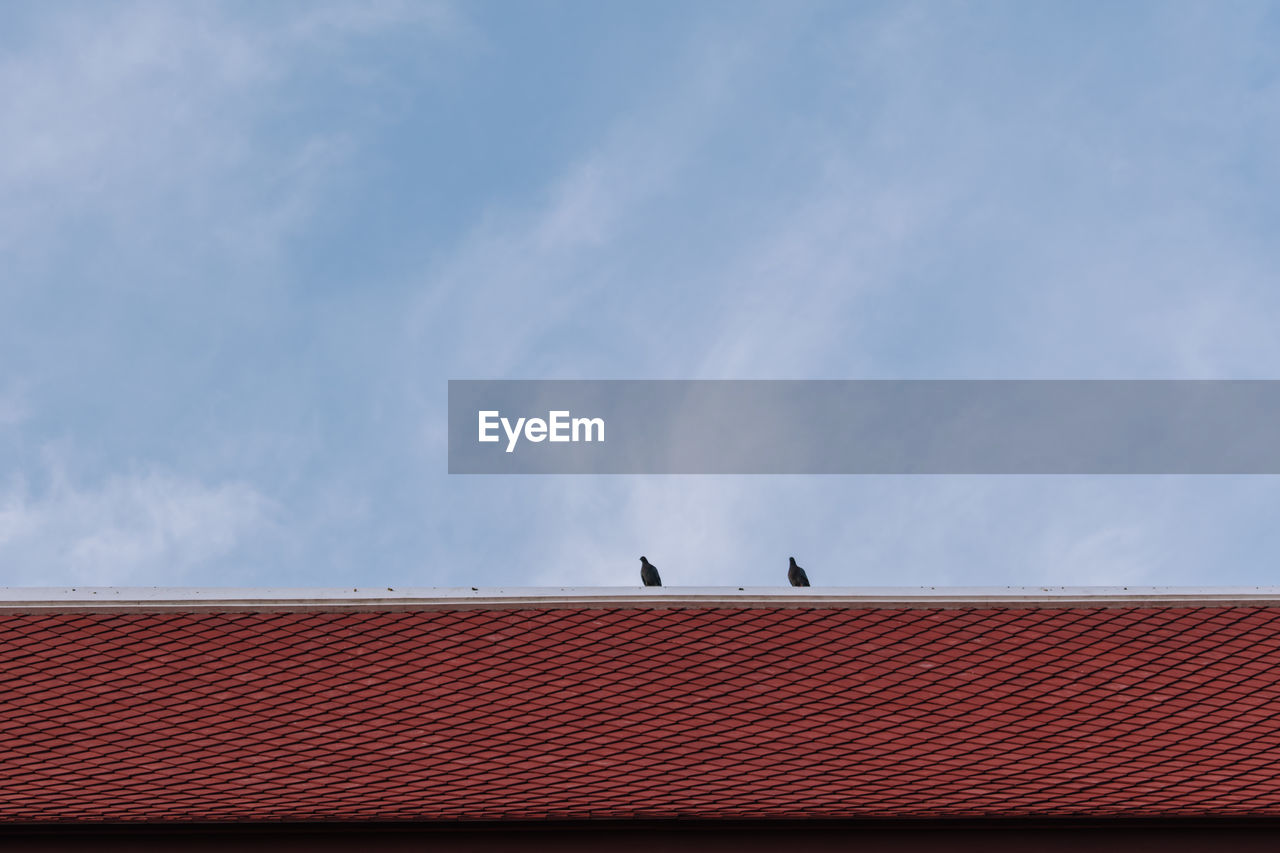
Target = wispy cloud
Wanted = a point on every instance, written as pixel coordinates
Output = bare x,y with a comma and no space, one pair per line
155,164
244,236
146,528
961,221
523,274
163,121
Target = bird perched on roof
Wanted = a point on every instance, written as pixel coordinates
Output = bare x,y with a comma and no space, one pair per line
649,573
796,575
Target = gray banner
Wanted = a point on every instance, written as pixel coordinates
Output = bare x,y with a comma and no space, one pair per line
864,427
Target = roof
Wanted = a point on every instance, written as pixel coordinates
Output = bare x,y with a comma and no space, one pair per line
172,705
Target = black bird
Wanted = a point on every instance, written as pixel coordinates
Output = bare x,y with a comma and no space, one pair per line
796,575
649,573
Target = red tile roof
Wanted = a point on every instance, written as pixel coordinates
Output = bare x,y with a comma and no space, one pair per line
640,712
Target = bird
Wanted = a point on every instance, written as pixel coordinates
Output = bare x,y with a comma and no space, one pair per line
649,573
796,575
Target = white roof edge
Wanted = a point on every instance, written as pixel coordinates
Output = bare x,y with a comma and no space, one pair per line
456,598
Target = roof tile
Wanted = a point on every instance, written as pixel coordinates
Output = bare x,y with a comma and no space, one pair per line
633,713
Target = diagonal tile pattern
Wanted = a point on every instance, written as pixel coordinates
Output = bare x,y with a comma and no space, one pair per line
710,712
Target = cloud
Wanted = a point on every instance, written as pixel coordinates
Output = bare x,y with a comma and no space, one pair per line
217,217
524,273
155,165
164,124
147,528
962,218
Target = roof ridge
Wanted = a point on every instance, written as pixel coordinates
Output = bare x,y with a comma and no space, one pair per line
451,598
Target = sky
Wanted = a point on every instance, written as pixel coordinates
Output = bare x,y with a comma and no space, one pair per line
244,246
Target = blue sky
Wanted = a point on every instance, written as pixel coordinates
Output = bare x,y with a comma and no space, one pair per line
243,247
